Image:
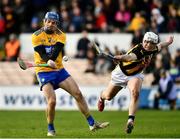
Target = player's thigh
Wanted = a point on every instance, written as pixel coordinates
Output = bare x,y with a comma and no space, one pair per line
134,84
49,92
70,86
111,90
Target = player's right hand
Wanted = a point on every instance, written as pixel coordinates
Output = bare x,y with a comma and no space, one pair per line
51,63
115,60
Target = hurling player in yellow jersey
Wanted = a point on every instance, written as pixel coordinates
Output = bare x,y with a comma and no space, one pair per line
48,43
128,72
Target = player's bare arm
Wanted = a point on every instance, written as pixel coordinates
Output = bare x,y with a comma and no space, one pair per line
125,57
168,41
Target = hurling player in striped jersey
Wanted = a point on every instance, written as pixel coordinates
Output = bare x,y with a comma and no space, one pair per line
129,72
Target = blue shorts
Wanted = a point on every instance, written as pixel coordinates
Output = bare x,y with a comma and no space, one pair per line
53,77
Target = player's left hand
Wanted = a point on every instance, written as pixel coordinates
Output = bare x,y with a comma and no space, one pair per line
170,39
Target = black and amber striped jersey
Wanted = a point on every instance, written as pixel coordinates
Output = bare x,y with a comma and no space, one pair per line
48,46
138,65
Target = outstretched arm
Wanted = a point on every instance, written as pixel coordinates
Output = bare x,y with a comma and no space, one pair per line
168,41
125,57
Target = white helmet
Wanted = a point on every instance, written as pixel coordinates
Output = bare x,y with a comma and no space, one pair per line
150,36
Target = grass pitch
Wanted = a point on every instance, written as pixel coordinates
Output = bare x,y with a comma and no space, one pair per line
71,124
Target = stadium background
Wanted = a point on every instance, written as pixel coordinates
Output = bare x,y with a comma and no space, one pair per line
116,25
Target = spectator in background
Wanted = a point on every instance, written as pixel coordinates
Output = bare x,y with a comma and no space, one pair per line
20,11
166,90
166,58
103,64
2,36
98,7
91,60
177,58
156,4
10,17
2,51
145,7
131,6
109,8
35,24
65,20
12,48
2,25
137,37
173,20
175,72
77,19
89,21
158,66
159,19
175,67
101,22
122,16
82,46
138,22
153,26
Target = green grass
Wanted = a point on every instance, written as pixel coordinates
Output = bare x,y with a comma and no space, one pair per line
71,124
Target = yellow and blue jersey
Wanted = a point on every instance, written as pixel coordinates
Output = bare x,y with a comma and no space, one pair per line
48,46
138,65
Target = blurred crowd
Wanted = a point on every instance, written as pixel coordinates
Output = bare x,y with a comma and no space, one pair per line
93,16
17,16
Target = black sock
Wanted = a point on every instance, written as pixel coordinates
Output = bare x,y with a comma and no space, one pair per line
131,117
